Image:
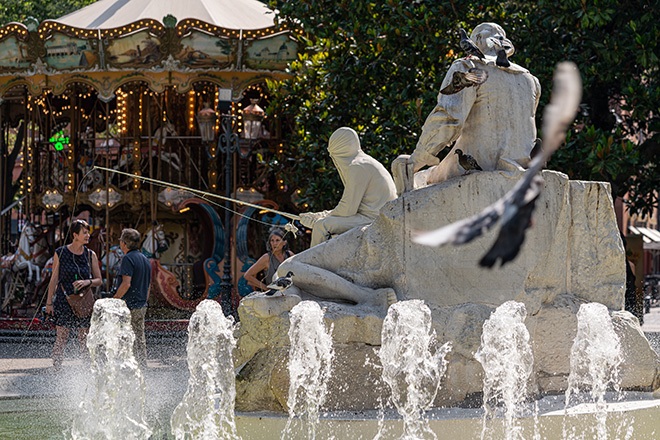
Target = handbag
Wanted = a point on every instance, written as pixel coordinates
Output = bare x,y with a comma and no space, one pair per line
82,303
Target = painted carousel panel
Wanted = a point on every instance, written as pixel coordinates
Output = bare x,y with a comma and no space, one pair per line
66,52
13,54
205,51
137,50
271,53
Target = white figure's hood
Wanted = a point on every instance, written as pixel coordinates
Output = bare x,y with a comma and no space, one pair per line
344,149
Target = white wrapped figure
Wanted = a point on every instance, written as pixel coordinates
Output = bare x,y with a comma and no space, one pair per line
367,187
493,122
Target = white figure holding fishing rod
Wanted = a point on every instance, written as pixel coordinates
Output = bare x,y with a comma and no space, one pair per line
367,187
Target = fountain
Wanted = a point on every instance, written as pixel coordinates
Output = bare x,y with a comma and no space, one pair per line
508,363
595,361
310,366
207,409
114,402
410,367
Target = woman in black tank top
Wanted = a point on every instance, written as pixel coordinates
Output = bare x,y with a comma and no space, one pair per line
278,251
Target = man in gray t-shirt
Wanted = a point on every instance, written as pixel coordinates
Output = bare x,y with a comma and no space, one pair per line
135,271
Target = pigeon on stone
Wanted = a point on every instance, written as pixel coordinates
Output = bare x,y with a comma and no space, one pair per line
516,207
280,284
502,59
467,162
537,148
468,45
460,80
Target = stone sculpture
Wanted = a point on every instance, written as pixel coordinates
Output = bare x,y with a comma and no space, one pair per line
493,121
367,187
572,255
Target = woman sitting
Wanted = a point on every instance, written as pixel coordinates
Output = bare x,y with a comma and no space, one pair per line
278,251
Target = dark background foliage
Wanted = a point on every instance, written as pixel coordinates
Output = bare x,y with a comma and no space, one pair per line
377,67
20,10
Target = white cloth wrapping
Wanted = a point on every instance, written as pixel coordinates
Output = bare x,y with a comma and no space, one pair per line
367,187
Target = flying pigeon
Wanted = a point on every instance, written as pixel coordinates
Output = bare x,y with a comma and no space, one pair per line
516,206
280,284
461,80
468,45
467,162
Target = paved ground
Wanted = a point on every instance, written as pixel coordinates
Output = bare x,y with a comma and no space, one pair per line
26,366
652,320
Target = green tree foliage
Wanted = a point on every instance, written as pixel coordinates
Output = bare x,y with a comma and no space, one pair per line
20,10
377,67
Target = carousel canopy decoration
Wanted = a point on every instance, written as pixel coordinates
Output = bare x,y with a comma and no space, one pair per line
110,43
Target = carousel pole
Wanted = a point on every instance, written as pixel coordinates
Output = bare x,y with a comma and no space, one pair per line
107,187
228,144
3,223
26,164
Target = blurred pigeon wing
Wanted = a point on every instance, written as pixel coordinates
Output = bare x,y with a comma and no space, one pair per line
511,236
564,103
476,76
462,231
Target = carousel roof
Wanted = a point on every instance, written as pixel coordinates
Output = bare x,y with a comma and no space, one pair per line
229,14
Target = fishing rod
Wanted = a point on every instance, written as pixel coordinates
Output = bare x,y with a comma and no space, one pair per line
197,191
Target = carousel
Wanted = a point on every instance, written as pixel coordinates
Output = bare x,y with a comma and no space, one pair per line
170,91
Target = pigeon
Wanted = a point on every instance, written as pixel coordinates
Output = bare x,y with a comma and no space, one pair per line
280,284
515,208
502,59
461,80
537,148
468,45
467,162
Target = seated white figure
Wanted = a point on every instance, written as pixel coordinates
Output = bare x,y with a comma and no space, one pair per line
493,122
367,187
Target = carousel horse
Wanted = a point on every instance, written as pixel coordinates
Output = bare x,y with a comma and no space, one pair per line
112,260
97,240
160,138
14,266
39,246
163,281
41,289
155,242
23,258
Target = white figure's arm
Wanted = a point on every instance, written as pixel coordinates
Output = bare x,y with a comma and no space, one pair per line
357,179
444,124
309,218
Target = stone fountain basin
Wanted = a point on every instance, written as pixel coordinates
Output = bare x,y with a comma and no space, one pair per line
638,411
48,417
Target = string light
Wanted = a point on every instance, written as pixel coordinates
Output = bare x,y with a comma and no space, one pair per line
121,111
140,111
216,100
70,172
191,109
